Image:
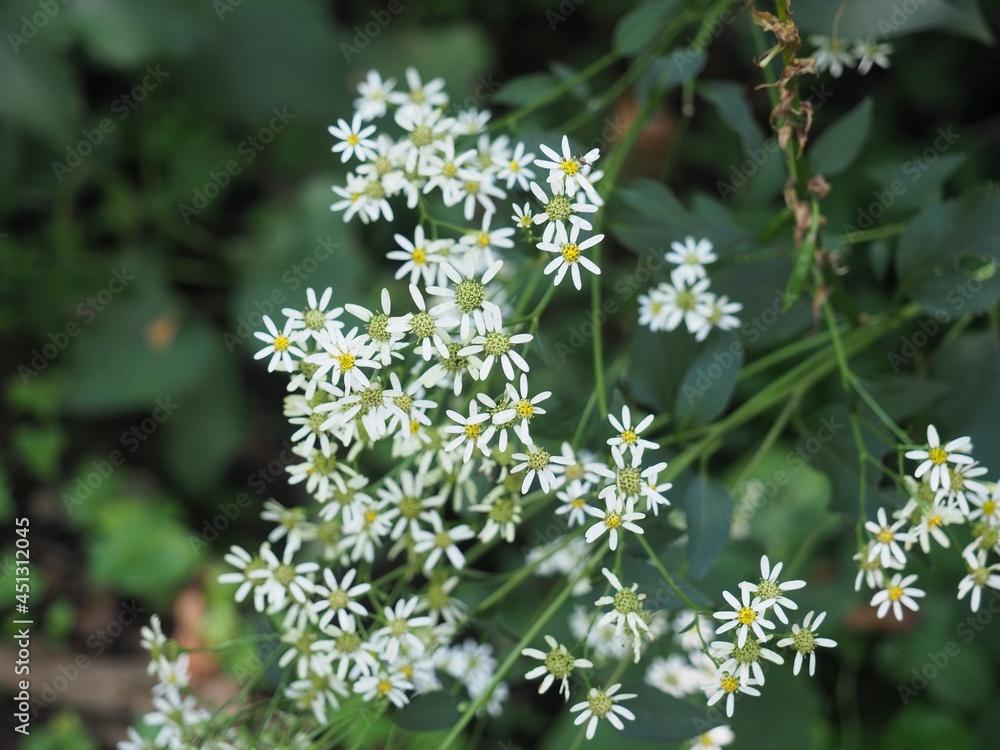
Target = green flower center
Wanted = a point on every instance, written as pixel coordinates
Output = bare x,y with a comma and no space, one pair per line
502,511
374,191
382,165
768,590
748,654
558,209
453,362
686,300
559,662
496,343
804,641
399,627
377,327
371,397
630,481
410,507
627,601
422,136
314,320
348,643
538,460
338,599
422,325
284,574
600,702
469,295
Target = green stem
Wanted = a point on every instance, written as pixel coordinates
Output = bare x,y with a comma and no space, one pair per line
515,654
667,577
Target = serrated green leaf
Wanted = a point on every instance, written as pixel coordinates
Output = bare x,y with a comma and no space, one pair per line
428,712
709,381
709,508
640,26
839,145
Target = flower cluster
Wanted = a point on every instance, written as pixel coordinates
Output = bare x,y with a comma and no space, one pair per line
407,145
738,662
944,491
836,54
686,297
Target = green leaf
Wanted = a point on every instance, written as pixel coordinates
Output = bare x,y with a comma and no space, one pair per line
882,19
204,435
918,727
40,448
917,180
709,381
839,145
663,718
123,34
658,365
428,712
667,71
709,508
640,26
524,89
729,100
970,366
947,256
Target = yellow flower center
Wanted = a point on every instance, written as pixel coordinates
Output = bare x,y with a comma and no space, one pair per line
384,686
895,592
746,616
370,516
472,431
730,684
628,437
353,140
570,167
938,455
885,536
346,361
281,343
514,166
989,507
419,256
414,427
570,252
612,520
578,502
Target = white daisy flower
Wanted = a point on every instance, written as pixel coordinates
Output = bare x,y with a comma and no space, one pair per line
568,173
685,304
315,322
569,254
391,685
744,661
245,563
476,186
885,544
673,675
654,308
425,128
523,217
963,487
336,599
804,641
503,514
474,431
497,345
626,612
714,739
615,518
343,357
398,630
745,615
483,241
771,592
831,54
534,461
558,665
691,257
365,525
318,692
153,640
928,521
936,458
524,407
280,346
870,53
420,257
292,524
987,507
385,342
560,209
581,467
353,139
354,656
374,95
420,95
468,298
603,704
717,312
281,581
895,594
574,502
980,575
440,541
728,686
518,168
628,432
